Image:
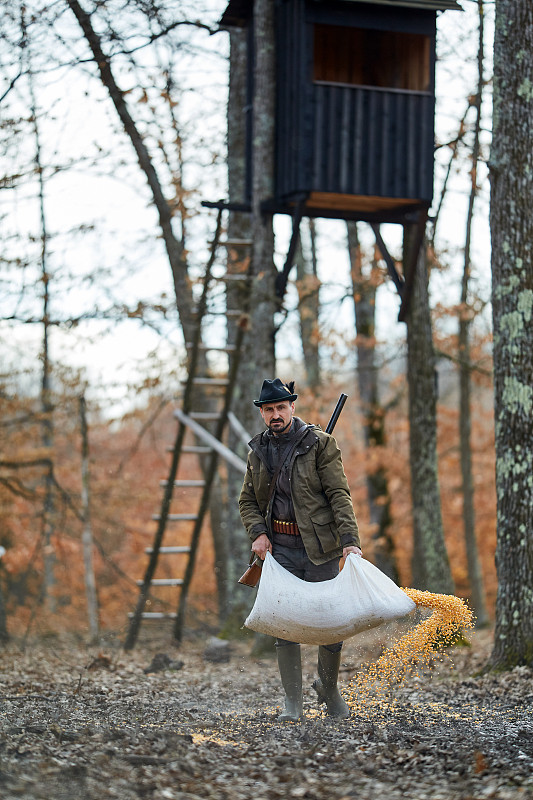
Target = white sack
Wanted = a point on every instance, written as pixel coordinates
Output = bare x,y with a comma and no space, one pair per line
358,598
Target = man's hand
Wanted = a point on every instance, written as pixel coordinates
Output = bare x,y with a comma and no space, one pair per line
347,550
261,546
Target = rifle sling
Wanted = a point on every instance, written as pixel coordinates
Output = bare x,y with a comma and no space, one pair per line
285,457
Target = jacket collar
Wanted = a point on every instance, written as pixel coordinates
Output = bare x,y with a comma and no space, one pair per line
259,443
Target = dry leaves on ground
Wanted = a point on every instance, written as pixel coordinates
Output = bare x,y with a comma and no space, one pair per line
80,723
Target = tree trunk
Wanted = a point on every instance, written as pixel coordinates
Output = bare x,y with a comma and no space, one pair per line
233,549
4,635
257,356
48,441
47,425
511,168
364,295
259,359
477,594
430,566
87,535
309,307
259,352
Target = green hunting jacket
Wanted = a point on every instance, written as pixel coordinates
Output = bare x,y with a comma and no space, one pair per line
320,495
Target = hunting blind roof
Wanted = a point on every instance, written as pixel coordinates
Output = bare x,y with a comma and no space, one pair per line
432,5
238,11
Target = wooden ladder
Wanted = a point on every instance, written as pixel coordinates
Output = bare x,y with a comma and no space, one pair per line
211,449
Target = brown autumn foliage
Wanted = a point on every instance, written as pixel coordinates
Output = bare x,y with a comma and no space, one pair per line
128,460
126,468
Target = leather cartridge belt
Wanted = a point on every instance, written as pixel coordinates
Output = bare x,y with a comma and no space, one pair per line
280,526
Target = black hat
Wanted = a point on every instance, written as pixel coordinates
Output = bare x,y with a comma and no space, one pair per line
275,392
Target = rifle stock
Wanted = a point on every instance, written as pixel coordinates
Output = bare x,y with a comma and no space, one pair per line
252,574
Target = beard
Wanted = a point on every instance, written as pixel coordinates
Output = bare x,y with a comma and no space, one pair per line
274,425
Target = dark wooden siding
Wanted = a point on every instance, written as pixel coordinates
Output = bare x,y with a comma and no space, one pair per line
369,142
351,139
294,114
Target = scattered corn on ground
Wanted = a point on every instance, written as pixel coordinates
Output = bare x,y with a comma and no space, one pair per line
374,685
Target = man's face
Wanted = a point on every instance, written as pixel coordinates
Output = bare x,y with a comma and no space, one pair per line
277,416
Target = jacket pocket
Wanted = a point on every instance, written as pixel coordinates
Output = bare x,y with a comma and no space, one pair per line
325,529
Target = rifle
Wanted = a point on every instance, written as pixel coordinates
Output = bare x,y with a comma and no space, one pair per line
336,413
253,573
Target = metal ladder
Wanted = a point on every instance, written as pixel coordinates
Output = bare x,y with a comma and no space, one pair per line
211,448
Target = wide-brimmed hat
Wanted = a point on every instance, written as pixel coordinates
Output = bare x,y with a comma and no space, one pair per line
275,392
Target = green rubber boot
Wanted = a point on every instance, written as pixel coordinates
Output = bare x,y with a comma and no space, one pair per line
326,685
290,669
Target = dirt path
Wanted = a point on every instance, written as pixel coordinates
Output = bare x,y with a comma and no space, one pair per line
78,723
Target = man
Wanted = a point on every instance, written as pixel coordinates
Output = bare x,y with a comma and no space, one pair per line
305,519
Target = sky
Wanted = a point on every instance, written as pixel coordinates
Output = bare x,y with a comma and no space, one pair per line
99,215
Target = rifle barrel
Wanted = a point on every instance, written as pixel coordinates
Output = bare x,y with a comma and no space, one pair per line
336,413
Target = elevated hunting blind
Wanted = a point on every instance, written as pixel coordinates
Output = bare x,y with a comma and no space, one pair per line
355,100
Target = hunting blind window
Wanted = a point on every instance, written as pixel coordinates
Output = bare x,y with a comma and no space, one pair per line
373,58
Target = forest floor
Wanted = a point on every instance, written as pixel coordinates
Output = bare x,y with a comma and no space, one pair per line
90,723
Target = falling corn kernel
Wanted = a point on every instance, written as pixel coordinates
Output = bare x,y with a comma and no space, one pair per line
416,649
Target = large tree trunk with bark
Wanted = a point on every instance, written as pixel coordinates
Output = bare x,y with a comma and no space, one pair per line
258,353
511,166
430,565
258,360
364,287
233,548
477,594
